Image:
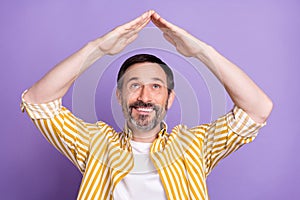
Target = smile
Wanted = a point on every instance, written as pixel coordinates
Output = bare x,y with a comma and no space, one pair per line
143,109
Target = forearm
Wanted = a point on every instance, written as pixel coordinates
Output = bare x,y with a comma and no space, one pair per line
242,90
58,80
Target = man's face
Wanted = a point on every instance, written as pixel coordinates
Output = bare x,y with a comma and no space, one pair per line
144,96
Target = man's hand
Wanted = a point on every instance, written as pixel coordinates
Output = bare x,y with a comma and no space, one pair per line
59,79
185,43
242,90
116,40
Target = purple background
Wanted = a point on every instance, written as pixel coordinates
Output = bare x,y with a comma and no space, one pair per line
260,36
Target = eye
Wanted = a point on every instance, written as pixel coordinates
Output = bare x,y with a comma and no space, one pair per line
156,86
135,86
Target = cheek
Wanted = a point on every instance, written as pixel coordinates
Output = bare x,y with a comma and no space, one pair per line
162,97
128,98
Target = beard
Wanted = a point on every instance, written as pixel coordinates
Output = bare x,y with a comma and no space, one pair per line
144,122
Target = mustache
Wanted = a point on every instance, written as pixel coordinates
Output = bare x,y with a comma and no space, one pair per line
143,104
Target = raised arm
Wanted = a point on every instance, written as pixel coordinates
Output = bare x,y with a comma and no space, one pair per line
242,90
58,80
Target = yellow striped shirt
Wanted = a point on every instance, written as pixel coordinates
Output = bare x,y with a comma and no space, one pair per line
183,158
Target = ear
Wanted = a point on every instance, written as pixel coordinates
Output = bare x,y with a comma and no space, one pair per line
171,99
118,95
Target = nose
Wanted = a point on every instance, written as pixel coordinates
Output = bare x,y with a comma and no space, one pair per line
145,94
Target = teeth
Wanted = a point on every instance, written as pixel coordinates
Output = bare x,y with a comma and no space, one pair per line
144,109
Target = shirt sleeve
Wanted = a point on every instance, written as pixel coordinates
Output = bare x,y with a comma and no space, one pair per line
68,134
226,135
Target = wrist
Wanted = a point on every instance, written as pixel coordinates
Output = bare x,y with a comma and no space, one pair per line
205,52
93,48
91,53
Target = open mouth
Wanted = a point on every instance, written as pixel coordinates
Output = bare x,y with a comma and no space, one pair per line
144,109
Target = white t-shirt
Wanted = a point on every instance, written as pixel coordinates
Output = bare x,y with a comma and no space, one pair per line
143,181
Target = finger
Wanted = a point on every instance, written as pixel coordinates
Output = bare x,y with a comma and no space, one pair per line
130,32
139,21
156,20
163,24
132,38
135,25
159,21
141,24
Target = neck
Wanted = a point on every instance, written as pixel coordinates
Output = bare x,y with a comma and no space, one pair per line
145,136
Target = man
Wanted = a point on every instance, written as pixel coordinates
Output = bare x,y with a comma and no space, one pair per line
176,163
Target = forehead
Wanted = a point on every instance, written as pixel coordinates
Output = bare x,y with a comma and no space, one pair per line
145,72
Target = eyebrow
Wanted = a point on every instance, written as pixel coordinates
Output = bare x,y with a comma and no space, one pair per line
158,79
